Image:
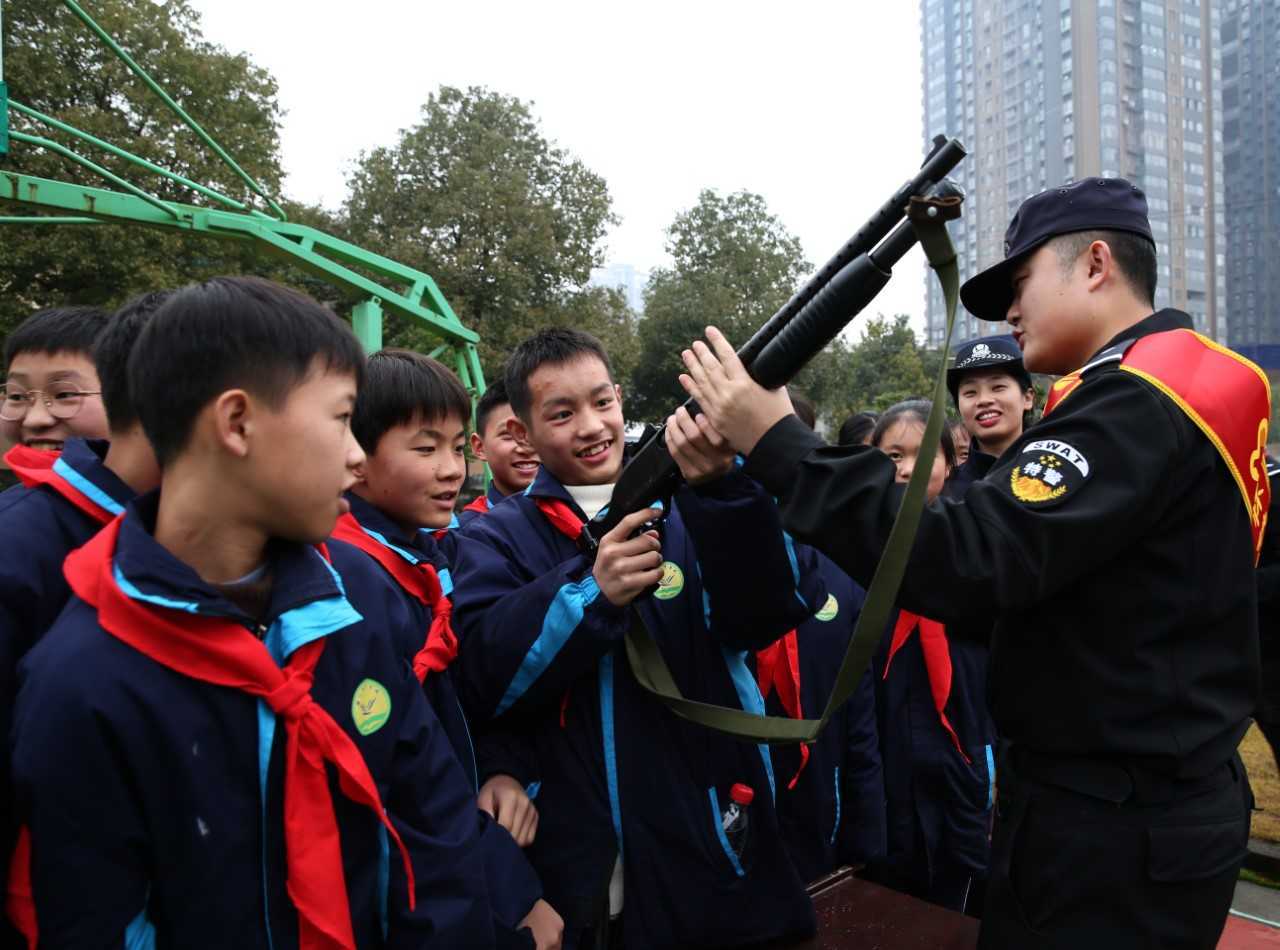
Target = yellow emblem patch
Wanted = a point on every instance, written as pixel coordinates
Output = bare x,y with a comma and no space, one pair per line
370,707
672,581
1039,481
829,609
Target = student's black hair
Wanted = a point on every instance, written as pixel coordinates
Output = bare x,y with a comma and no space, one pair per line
1134,255
914,410
401,386
230,333
855,429
556,345
803,407
111,355
495,395
56,330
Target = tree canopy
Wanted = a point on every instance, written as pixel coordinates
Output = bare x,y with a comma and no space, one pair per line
508,224
55,65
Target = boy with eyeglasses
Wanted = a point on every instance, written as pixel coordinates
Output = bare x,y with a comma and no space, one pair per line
67,386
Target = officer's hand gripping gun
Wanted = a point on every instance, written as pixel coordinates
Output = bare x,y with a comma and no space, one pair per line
811,319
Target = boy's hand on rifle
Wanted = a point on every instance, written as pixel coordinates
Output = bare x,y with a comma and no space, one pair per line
625,566
735,405
699,450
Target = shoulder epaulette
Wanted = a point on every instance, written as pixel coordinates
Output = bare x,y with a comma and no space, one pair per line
1112,354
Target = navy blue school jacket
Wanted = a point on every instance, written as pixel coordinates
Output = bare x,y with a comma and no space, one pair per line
492,498
620,773
835,815
155,801
513,886
938,805
38,529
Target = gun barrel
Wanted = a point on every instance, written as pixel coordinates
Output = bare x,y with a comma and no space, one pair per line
945,157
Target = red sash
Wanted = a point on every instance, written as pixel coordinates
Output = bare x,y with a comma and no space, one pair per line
220,651
479,505
34,467
1225,395
777,665
937,663
418,580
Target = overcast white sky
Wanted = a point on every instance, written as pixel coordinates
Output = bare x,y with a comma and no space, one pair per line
816,106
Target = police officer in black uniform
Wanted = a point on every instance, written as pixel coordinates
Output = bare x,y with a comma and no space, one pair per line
1112,545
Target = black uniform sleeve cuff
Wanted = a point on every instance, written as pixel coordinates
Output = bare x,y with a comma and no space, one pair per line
774,459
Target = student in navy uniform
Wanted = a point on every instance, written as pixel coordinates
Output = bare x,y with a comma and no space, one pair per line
631,847
936,736
831,804
75,482
1114,545
410,420
512,462
233,713
993,393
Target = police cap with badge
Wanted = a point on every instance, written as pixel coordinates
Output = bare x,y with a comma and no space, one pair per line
1093,204
987,353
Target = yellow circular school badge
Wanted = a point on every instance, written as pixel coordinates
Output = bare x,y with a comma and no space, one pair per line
672,581
829,609
370,707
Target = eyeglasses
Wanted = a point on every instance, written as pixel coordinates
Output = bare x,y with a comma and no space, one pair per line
63,404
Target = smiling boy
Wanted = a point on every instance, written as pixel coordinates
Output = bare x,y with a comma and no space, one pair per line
630,844
51,390
240,756
410,421
512,462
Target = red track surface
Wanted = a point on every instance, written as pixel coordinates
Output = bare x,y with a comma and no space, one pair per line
1242,934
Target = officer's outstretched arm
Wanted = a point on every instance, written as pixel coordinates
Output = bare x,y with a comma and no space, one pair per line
1067,499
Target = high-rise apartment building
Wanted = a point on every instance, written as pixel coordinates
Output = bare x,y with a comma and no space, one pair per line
1046,91
1251,168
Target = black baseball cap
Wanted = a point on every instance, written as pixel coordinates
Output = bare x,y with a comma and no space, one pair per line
1092,204
988,352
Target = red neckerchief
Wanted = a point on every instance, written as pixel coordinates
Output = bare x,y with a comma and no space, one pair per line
419,580
220,651
20,904
479,504
778,667
937,663
771,670
34,467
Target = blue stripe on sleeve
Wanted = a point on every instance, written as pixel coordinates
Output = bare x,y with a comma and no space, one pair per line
991,779
610,750
562,618
749,696
795,567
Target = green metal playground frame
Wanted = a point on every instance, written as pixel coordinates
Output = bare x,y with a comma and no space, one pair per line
399,289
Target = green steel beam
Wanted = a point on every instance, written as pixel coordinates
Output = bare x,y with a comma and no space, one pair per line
177,110
314,250
130,157
366,320
94,167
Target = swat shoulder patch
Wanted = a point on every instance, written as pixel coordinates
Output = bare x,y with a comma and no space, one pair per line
1048,473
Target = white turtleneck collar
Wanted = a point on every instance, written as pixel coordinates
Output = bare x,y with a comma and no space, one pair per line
590,498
